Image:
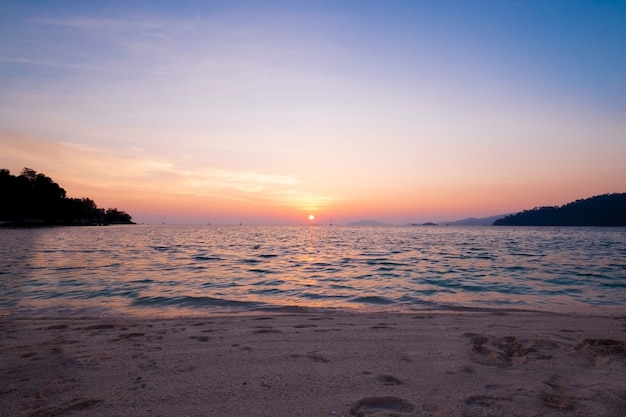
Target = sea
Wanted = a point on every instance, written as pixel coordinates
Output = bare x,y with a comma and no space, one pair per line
192,270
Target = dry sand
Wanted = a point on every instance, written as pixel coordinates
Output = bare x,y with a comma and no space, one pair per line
422,364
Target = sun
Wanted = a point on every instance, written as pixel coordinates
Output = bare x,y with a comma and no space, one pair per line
311,217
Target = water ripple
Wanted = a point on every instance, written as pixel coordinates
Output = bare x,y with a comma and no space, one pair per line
190,269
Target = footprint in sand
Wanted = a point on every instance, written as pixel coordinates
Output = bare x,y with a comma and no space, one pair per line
557,396
602,351
127,336
386,379
509,350
379,326
312,356
57,327
372,406
200,338
76,405
100,327
265,330
304,326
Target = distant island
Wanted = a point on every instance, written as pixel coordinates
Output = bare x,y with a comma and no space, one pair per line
369,223
601,210
473,221
33,199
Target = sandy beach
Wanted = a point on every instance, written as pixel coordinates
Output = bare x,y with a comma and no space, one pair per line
421,364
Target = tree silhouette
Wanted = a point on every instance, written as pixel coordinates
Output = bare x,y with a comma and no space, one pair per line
33,198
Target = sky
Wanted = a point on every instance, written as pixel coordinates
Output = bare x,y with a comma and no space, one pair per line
264,112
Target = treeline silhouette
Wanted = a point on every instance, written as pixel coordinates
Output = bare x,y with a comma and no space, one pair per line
32,199
601,210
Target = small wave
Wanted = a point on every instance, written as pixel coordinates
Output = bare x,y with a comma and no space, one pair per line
207,258
621,284
444,283
515,268
473,288
372,300
433,292
190,301
267,291
143,281
106,294
384,262
341,287
249,261
528,255
292,309
317,296
70,268
564,291
271,282
262,271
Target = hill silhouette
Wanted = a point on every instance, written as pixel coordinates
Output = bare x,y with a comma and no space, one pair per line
601,210
32,199
473,221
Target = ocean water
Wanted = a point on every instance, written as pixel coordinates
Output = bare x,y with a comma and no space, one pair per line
193,270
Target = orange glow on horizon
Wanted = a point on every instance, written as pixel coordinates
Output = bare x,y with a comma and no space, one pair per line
151,190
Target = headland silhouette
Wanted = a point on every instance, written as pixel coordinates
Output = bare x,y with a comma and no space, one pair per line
34,199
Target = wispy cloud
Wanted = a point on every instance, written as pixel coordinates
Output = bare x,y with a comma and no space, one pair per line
76,66
98,23
133,171
306,200
236,46
258,180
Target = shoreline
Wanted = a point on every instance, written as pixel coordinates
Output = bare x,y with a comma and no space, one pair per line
168,313
435,363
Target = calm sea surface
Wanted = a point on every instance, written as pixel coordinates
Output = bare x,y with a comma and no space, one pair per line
193,270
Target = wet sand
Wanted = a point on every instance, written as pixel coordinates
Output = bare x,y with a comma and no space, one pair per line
420,364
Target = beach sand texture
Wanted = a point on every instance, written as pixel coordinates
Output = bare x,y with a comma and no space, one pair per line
422,364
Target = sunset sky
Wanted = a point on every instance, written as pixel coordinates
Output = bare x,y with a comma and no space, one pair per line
268,111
